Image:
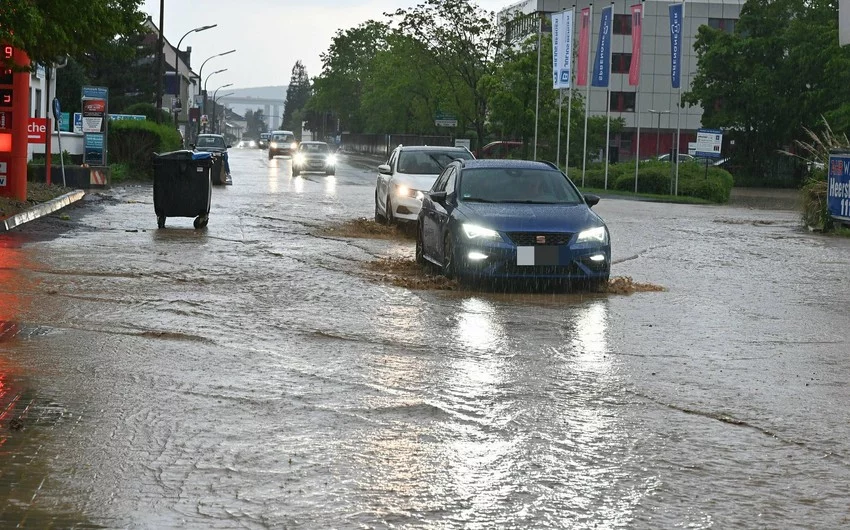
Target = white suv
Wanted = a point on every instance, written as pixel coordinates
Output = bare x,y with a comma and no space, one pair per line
409,172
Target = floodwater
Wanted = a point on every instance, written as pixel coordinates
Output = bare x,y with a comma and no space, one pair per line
253,374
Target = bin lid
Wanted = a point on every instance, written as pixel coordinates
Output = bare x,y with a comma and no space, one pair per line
196,155
183,154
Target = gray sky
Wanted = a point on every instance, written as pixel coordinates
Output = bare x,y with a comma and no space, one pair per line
269,35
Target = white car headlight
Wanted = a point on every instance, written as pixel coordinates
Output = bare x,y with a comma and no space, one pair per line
402,190
293,145
299,158
479,232
331,160
597,235
273,145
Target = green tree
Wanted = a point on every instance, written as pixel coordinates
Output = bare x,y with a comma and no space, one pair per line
462,40
297,96
50,29
255,123
778,73
345,68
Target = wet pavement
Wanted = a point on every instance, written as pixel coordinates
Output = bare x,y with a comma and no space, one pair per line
252,375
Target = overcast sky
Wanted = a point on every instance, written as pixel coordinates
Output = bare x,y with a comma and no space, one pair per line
268,35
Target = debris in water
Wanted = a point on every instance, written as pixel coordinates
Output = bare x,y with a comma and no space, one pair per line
366,228
625,285
405,272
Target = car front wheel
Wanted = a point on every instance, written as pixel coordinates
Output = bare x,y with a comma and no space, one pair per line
390,216
379,217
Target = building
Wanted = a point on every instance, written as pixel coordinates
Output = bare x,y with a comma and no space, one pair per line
652,104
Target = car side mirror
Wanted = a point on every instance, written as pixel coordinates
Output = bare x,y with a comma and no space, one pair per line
229,146
385,169
438,196
591,200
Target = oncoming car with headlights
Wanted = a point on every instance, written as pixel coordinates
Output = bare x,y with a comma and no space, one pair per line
409,172
313,156
512,219
282,143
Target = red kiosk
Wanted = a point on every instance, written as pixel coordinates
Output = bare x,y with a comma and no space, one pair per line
14,118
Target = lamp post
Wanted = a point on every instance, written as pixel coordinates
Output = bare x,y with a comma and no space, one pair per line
201,71
204,88
215,102
658,129
177,61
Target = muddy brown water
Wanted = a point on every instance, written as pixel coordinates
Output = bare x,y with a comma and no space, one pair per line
252,375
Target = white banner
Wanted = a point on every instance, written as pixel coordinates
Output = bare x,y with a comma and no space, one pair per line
562,49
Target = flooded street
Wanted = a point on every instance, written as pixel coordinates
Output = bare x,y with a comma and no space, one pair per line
253,375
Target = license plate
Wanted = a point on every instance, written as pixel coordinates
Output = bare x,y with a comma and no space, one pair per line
542,255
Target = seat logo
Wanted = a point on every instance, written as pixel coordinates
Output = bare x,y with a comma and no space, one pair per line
541,240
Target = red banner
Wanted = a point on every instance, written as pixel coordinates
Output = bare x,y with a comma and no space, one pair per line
637,29
583,46
37,130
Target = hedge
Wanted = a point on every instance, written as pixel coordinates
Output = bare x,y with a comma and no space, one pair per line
133,143
656,177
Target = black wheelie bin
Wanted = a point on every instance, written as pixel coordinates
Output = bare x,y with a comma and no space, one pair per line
182,186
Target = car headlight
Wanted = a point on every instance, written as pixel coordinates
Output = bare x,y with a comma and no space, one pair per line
593,235
405,191
331,160
293,145
273,145
299,158
479,232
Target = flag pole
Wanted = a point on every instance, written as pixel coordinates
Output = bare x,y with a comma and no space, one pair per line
537,101
608,108
637,98
558,142
570,100
587,92
679,105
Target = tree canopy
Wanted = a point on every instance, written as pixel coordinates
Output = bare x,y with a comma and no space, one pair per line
50,29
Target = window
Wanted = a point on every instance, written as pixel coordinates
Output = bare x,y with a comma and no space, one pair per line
450,184
440,183
620,63
623,24
622,101
37,103
727,25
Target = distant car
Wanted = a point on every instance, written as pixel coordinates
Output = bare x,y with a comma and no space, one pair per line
687,157
215,143
502,149
409,172
263,142
282,143
313,156
512,219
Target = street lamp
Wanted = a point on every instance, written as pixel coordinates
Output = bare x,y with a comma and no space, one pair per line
215,102
658,129
201,72
177,60
212,74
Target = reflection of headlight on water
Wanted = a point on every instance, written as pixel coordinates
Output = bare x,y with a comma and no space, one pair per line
299,158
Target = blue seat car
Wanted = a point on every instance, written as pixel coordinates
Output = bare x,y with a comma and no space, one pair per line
512,220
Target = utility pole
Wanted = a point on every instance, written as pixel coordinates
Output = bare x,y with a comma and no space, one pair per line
160,44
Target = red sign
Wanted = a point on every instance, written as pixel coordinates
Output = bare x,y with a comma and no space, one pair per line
37,130
94,106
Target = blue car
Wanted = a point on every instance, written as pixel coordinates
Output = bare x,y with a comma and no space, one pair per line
513,220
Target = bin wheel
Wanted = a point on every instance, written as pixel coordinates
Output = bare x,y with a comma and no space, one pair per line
201,221
160,221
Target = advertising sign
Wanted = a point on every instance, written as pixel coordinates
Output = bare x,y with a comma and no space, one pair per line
709,143
95,92
78,123
637,33
94,151
562,49
37,130
583,47
138,117
94,115
838,186
602,64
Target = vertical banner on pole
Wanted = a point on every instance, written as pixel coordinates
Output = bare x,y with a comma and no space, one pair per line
602,63
583,47
676,12
562,49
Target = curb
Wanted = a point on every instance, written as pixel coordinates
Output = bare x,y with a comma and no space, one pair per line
41,209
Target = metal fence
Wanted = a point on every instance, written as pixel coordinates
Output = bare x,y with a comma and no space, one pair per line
383,144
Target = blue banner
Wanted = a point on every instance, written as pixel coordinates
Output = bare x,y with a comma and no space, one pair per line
676,12
838,187
602,63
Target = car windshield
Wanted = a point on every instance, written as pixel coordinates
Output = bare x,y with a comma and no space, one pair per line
428,162
518,185
314,148
210,141
282,138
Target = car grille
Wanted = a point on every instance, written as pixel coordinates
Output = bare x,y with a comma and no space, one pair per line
527,239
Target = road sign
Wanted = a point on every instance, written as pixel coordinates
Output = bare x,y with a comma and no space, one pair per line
838,186
57,109
709,143
446,123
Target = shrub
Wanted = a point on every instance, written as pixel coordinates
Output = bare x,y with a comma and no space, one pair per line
652,178
134,143
149,111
